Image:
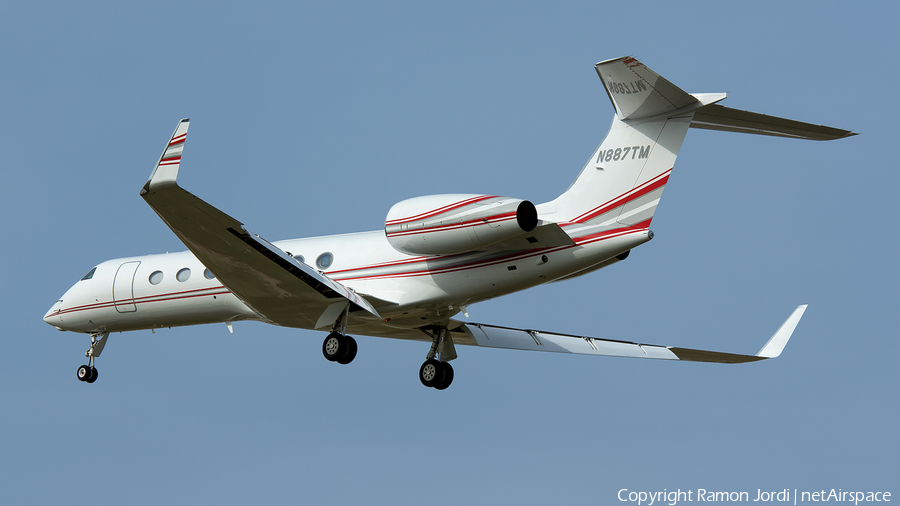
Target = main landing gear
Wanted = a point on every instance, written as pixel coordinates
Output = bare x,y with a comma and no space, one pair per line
437,372
88,373
339,348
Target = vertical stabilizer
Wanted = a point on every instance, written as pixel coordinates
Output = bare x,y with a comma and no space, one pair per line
622,183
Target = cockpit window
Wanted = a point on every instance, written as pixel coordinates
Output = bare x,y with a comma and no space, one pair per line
90,274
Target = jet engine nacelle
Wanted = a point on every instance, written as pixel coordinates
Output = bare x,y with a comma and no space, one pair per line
449,224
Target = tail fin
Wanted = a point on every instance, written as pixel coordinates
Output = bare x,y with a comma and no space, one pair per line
622,183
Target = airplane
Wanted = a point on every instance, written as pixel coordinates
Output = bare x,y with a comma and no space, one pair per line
436,255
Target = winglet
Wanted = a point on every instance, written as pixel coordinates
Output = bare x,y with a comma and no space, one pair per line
166,171
777,342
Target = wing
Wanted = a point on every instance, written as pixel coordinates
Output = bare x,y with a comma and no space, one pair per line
281,289
518,339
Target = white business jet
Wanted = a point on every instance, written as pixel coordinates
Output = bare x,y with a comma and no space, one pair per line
436,255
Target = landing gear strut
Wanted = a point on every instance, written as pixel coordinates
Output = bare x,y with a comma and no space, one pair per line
338,346
437,372
88,373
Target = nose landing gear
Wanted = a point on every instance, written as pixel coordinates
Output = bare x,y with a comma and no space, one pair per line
88,373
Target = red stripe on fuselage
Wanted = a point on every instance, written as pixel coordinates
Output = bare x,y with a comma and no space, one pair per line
187,294
477,263
624,198
612,233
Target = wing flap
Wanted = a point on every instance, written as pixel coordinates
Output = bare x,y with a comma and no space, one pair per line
492,336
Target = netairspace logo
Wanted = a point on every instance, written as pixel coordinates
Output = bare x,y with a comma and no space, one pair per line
672,498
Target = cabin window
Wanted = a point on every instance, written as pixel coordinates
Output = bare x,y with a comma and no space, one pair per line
324,261
208,274
90,274
183,275
156,278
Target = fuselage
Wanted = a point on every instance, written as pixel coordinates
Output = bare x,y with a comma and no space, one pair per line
174,289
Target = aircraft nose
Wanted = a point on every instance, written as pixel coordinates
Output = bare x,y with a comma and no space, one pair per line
53,316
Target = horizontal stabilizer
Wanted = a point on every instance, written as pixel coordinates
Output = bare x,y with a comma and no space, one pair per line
717,117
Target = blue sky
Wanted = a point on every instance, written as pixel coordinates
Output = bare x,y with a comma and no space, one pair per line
314,118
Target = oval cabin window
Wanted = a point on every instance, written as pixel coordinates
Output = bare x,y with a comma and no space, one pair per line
324,261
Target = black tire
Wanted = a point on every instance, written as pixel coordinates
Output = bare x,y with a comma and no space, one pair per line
448,376
93,377
83,373
349,352
333,346
431,373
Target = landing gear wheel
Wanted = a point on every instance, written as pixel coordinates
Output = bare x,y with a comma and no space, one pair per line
431,373
448,376
83,373
349,344
93,377
339,348
333,347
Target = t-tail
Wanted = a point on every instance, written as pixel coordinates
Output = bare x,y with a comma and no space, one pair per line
623,181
